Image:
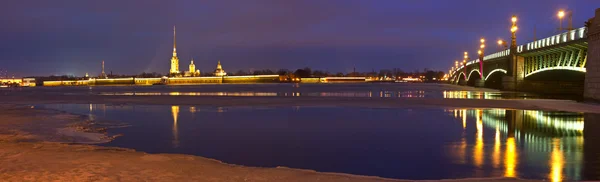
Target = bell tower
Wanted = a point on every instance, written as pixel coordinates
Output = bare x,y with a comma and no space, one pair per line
174,59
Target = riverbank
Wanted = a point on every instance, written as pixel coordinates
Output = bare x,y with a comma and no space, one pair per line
34,146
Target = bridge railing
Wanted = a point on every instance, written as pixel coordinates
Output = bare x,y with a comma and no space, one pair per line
572,35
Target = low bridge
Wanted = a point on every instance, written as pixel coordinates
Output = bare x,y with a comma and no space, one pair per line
566,63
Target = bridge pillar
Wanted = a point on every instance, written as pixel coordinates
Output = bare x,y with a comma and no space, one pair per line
592,75
462,82
516,73
479,82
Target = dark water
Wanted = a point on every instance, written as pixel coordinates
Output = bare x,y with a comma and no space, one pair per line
433,143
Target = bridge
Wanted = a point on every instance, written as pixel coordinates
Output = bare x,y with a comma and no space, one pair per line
566,63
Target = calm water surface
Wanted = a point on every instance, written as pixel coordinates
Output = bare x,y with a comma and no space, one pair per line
422,143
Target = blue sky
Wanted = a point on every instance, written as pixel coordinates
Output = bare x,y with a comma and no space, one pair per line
40,37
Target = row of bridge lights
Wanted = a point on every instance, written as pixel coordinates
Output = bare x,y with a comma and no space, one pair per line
481,50
513,30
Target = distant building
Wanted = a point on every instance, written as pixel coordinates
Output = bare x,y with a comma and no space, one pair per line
103,74
174,59
192,70
219,71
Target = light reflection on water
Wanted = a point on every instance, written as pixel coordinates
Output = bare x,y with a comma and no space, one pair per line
381,94
531,134
470,143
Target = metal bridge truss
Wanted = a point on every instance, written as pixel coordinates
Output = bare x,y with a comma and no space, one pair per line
572,57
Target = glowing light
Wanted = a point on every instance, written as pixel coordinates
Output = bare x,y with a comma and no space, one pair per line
513,29
479,52
500,42
514,19
561,14
482,46
482,40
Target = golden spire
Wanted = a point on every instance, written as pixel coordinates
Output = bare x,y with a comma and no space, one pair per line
219,65
174,42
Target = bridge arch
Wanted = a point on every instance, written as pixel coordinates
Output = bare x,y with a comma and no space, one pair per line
460,76
495,71
494,79
567,68
471,73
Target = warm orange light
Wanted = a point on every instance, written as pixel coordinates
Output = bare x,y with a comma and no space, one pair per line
482,46
514,29
466,53
514,19
466,56
561,14
482,40
500,42
479,52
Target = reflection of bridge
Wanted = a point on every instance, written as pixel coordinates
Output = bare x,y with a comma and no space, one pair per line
558,63
547,139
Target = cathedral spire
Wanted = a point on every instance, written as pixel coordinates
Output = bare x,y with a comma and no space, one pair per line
174,42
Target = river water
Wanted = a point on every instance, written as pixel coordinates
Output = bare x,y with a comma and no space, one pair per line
403,143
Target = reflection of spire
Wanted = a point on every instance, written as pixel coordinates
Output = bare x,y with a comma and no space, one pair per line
175,113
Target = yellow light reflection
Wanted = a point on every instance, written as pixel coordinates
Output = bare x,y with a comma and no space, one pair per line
175,113
556,162
478,150
464,118
510,158
496,154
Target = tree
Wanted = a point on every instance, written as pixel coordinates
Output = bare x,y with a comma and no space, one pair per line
282,72
241,72
302,73
319,73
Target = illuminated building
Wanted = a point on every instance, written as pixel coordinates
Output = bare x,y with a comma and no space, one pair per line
219,71
192,70
103,74
174,59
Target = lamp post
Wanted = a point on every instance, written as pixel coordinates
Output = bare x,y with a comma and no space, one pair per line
513,31
465,64
560,15
481,55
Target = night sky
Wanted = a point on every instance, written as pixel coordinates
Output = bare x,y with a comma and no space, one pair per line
43,37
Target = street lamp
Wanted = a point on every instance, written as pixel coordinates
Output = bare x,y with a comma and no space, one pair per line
479,52
513,30
561,14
